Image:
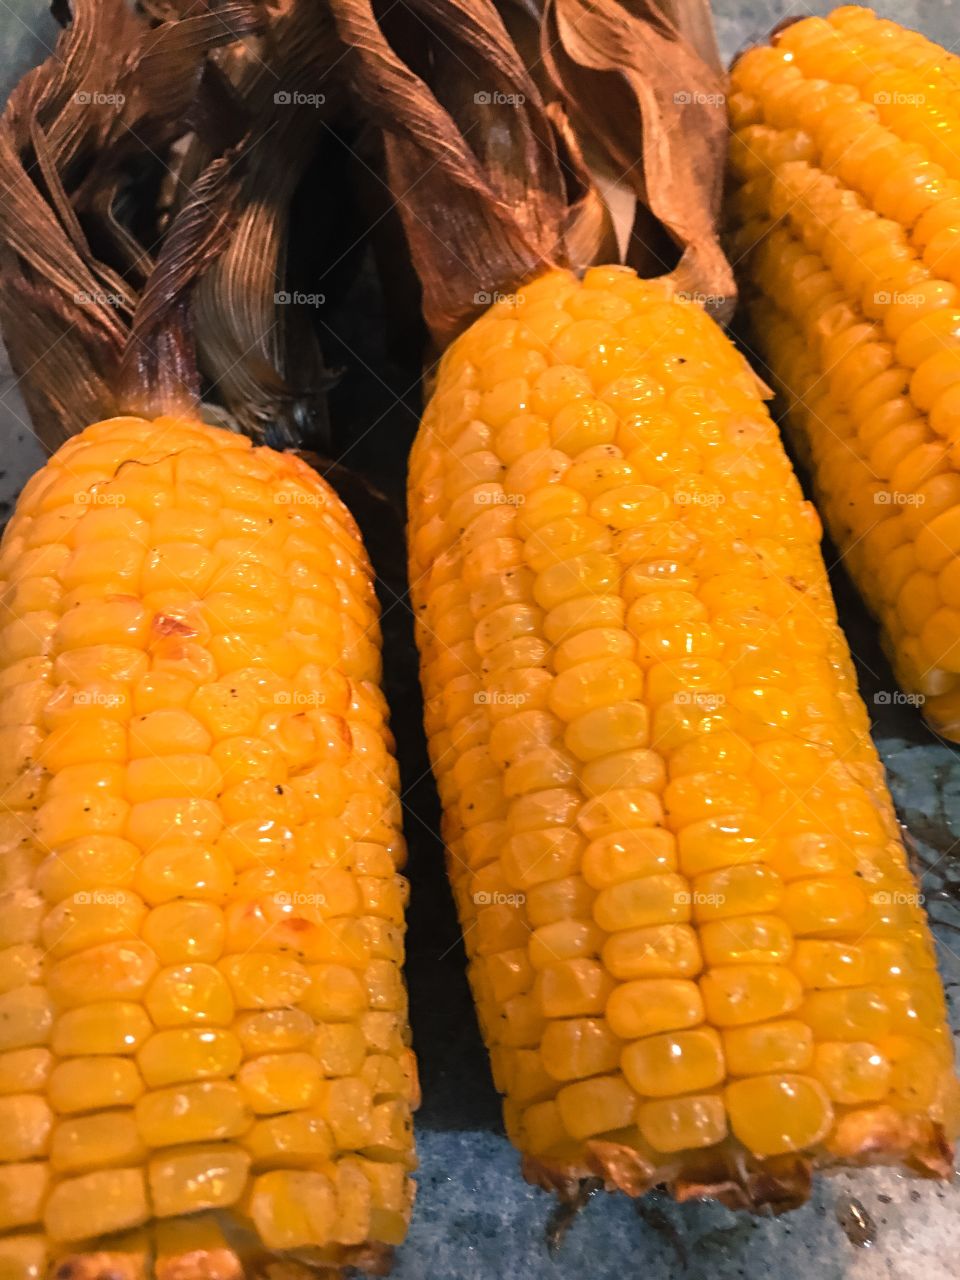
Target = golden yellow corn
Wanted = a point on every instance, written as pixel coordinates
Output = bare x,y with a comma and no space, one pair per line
201,917
846,222
695,945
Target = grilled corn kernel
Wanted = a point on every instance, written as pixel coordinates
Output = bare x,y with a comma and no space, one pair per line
668,833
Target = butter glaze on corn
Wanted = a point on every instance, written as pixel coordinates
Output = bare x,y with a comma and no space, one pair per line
846,224
695,945
201,920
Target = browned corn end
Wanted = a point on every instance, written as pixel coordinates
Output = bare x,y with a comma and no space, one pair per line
696,948
201,921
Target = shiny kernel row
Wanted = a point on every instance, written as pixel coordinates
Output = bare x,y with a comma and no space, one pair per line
846,215
201,920
682,890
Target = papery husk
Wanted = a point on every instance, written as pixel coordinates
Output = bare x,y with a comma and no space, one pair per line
263,359
495,191
81,135
143,236
654,109
485,205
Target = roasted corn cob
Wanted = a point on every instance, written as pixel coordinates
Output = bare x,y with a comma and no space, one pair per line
201,918
846,225
697,951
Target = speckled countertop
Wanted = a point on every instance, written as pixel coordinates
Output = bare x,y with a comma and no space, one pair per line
475,1218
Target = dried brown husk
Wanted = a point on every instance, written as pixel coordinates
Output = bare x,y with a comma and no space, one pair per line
641,82
82,136
503,162
263,359
150,167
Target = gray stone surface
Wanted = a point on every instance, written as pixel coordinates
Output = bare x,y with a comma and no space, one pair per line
476,1219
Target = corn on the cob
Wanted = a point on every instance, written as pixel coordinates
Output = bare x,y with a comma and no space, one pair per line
846,220
201,920
696,947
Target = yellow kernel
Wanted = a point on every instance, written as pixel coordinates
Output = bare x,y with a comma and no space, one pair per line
23,1188
25,1124
852,1073
577,1047
84,1084
280,1082
742,993
679,1124
95,1204
197,1178
192,1113
774,1114
112,1027
768,1047
647,1006
297,1138
188,1053
746,940
571,988
596,1106
650,900
189,993
658,951
628,855
105,1139
675,1062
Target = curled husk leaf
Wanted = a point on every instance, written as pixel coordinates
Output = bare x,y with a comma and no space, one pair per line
503,163
83,136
